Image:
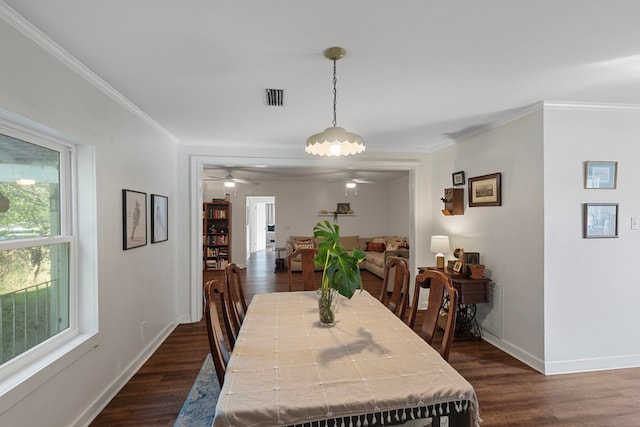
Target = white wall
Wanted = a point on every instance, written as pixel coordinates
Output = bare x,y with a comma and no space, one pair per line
379,209
590,286
509,238
134,286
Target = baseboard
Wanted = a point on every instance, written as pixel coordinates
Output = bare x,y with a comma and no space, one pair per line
592,364
110,392
184,318
518,353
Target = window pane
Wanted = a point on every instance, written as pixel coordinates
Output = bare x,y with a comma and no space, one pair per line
34,295
29,190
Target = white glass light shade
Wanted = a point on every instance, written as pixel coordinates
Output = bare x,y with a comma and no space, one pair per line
334,141
350,184
229,184
440,244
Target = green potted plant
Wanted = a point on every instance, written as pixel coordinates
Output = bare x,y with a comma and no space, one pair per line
340,270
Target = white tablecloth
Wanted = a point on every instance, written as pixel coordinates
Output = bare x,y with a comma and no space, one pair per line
369,367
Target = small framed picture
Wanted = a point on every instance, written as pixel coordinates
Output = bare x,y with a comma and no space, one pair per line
134,219
343,208
458,178
159,215
600,175
600,220
227,197
457,266
471,258
485,190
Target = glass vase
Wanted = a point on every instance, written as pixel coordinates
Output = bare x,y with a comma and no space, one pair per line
327,306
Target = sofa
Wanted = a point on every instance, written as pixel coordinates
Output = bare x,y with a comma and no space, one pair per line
376,250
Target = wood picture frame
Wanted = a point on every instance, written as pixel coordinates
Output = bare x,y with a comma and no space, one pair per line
159,218
134,219
600,175
457,266
458,178
485,190
600,220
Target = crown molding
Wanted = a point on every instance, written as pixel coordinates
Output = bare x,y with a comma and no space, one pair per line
497,122
32,32
589,106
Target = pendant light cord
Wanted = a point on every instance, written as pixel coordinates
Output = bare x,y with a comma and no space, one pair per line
335,93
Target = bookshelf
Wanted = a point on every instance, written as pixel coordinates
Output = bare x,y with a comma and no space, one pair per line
216,239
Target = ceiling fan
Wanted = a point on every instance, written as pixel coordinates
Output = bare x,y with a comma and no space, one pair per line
230,181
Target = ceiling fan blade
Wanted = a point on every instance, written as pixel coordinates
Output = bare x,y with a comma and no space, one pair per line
363,181
244,181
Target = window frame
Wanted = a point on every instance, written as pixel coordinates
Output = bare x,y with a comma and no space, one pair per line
29,370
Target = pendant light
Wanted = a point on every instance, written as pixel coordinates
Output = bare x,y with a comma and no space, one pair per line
334,141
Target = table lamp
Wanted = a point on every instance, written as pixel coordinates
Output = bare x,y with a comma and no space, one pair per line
440,245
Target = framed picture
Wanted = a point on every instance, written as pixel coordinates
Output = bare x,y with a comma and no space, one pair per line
485,190
227,197
159,216
457,266
600,220
600,175
343,208
471,258
458,178
134,219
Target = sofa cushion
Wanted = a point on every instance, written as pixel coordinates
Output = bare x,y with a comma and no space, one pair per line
375,247
375,258
350,243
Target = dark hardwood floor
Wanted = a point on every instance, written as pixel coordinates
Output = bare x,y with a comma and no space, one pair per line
510,393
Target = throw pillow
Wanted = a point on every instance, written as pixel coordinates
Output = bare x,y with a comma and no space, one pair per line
402,244
375,247
303,244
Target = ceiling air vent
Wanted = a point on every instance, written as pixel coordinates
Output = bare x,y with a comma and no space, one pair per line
275,97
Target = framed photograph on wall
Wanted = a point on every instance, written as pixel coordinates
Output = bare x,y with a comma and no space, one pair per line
458,178
134,219
601,175
343,208
485,190
159,216
600,220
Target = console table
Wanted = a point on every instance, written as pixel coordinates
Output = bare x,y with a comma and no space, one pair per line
471,292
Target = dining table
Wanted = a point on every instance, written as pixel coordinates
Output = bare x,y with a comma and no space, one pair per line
369,369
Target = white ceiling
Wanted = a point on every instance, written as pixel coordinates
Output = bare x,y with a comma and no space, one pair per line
417,73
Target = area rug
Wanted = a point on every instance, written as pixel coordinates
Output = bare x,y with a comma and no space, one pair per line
200,406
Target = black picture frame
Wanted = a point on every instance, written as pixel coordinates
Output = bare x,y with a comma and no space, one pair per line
485,190
159,218
134,219
600,220
458,178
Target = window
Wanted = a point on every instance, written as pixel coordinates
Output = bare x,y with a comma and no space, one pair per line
35,244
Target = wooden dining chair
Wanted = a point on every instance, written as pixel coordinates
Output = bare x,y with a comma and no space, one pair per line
397,270
440,285
308,268
214,294
235,296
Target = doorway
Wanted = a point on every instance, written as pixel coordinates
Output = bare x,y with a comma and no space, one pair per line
261,221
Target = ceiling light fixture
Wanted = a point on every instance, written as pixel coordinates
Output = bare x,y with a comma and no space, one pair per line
229,184
334,141
351,185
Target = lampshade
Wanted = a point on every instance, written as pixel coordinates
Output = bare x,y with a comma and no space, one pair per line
229,184
334,141
440,244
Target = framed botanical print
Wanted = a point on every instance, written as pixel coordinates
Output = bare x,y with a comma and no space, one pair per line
134,219
159,216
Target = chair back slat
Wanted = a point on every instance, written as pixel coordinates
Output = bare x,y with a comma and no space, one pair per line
214,294
397,270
